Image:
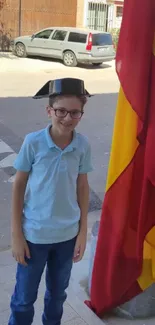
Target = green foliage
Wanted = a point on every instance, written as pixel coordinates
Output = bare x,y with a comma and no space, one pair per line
5,34
115,35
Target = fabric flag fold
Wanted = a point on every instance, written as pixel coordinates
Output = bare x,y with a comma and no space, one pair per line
124,263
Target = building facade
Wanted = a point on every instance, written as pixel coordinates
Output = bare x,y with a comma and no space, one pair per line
24,17
117,13
103,14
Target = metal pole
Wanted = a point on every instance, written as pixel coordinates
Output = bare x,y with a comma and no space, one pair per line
20,17
107,16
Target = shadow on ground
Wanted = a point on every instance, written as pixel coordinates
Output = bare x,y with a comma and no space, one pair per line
11,56
83,66
8,55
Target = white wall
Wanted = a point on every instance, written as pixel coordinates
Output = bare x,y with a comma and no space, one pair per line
113,21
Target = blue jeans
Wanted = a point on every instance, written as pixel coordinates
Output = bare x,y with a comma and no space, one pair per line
58,258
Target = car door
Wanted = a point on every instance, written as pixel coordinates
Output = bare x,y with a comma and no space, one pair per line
37,46
77,43
56,43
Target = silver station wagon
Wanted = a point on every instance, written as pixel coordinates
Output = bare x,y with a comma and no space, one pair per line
71,45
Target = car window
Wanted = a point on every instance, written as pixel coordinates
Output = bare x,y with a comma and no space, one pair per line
59,35
101,39
77,37
44,34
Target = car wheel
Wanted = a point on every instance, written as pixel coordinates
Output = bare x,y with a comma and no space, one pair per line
97,64
20,50
69,59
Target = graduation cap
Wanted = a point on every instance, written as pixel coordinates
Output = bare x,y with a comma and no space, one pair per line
65,86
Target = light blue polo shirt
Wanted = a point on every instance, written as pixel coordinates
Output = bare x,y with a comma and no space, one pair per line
51,213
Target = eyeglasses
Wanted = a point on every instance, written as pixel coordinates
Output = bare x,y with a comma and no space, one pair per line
61,112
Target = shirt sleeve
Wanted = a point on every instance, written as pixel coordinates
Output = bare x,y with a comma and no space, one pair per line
86,161
25,156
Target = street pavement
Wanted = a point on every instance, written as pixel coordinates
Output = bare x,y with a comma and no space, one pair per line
19,115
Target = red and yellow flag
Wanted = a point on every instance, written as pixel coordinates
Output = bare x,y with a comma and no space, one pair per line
125,256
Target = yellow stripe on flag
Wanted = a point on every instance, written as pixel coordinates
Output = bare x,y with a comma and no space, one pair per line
147,277
124,143
150,239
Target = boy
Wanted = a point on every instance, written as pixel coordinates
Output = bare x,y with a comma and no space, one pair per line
50,204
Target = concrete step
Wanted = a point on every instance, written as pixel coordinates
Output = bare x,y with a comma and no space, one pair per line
79,281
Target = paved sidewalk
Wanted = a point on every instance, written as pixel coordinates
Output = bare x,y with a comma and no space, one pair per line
12,63
75,311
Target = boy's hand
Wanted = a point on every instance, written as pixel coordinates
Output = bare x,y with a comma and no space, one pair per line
80,247
20,249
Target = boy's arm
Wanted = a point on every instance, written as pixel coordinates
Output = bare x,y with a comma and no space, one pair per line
20,248
83,201
23,165
18,192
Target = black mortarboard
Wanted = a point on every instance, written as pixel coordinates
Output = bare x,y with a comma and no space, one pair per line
65,86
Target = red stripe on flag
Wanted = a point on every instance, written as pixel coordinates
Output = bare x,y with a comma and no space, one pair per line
116,266
134,53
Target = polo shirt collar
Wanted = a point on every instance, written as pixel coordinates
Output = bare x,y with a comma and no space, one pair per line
51,144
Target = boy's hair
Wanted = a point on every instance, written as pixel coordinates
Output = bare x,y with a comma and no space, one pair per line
52,100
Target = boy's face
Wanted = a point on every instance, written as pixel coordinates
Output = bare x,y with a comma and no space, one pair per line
65,114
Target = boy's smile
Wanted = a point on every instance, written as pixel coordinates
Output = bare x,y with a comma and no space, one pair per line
65,114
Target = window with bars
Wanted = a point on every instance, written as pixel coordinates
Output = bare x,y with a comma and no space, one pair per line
119,11
98,16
